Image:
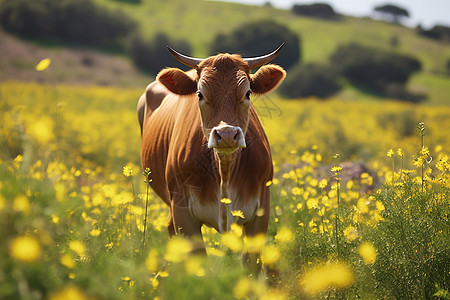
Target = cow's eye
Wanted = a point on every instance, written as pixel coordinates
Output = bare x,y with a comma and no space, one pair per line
247,96
200,95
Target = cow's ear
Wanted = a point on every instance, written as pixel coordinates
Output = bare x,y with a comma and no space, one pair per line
177,81
267,78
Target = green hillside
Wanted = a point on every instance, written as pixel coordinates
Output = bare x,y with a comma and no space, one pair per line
199,22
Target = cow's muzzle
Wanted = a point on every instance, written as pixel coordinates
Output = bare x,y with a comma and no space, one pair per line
226,138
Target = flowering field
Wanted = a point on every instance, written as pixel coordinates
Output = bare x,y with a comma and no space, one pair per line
360,203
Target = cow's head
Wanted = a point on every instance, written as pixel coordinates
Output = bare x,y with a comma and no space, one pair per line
224,84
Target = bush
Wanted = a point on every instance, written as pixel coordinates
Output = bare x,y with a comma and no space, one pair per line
373,68
316,10
259,38
152,56
79,21
310,80
438,32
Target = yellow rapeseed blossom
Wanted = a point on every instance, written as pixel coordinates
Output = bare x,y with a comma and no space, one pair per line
127,171
214,252
351,233
42,129
270,254
237,229
21,204
336,169
2,202
67,261
368,253
95,232
195,266
242,288
390,153
254,244
177,249
43,64
232,241
225,201
25,248
151,262
284,235
331,275
70,293
237,213
78,247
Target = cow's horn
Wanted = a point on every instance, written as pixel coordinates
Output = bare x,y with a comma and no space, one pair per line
186,60
255,62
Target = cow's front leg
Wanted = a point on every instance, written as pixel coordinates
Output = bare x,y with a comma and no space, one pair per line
183,223
257,226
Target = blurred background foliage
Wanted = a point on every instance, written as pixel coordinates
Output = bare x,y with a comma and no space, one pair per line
377,58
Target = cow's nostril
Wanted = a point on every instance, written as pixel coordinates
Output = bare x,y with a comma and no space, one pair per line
237,136
217,136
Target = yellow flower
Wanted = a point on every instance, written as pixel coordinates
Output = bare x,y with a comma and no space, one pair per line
95,232
21,204
368,253
77,247
237,213
232,241
42,129
151,262
284,235
351,233
390,153
25,248
70,293
225,201
254,244
336,169
400,152
177,249
323,277
242,288
270,254
195,266
323,183
127,171
43,64
67,261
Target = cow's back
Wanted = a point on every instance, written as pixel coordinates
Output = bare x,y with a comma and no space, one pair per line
164,115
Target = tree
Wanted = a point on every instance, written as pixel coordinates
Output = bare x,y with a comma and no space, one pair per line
310,80
259,38
392,13
378,70
316,10
152,56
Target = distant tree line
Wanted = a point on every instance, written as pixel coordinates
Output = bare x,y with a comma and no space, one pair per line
315,10
371,69
76,21
438,32
83,22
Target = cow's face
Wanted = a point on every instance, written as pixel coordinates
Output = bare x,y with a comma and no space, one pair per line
223,87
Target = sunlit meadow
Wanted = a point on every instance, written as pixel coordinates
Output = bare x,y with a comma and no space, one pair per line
359,203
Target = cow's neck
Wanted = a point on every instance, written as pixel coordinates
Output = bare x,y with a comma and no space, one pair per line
226,163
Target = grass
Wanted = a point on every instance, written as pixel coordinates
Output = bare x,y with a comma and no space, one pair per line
359,225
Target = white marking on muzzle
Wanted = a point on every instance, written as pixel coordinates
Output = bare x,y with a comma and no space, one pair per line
226,138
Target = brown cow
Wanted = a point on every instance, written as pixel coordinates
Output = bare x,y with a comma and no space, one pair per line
203,141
